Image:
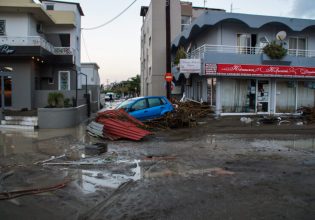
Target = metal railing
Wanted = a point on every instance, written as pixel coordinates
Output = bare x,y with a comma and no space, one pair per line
200,51
35,41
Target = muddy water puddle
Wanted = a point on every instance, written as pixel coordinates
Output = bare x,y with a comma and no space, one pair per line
92,180
292,142
45,144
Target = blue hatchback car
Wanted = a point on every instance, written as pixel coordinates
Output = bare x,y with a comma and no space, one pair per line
148,107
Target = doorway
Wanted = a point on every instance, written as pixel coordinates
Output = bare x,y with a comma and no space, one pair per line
5,86
5,90
263,96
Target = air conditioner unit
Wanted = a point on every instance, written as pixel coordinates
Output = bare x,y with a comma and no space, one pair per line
39,28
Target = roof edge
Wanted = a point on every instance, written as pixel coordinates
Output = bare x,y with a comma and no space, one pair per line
73,3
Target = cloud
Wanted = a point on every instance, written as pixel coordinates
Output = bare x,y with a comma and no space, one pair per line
303,9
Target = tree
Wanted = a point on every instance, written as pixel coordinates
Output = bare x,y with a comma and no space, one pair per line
127,87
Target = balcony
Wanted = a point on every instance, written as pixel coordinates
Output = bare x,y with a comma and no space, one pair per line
200,52
35,41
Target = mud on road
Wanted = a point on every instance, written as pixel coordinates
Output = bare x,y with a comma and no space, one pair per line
219,170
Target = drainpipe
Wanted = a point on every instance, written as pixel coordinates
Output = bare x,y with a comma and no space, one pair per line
76,88
218,97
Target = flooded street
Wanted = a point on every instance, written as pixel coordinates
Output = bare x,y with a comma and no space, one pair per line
212,171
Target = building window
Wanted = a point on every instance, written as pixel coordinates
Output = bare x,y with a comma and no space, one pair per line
246,43
2,27
185,22
64,80
49,7
297,46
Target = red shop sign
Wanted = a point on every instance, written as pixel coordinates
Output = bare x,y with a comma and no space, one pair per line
267,70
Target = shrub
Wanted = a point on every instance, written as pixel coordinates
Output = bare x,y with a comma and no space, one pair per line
274,50
180,54
67,103
55,100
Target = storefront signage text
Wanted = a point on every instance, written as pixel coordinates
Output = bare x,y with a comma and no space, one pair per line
6,49
190,65
264,70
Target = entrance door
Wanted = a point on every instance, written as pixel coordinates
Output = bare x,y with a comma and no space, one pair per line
263,96
5,86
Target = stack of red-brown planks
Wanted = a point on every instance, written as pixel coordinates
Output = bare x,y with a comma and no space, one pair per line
117,124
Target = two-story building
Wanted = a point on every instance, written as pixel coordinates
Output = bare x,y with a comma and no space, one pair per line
230,70
39,52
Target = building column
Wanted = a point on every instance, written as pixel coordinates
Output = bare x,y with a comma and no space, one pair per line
218,106
273,96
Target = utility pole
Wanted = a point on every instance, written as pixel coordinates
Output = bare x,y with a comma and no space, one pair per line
168,45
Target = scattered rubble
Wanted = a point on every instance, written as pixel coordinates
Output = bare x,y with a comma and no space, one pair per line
24,192
96,149
307,113
117,124
185,114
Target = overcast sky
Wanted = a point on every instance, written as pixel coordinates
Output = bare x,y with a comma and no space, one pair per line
116,47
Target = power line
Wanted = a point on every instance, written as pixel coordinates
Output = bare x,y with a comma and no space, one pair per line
111,20
85,48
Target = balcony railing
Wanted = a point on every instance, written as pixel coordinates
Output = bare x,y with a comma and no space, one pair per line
207,48
35,41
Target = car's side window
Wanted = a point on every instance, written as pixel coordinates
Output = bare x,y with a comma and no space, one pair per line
163,102
154,102
141,104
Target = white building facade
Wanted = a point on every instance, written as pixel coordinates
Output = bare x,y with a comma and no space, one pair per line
40,51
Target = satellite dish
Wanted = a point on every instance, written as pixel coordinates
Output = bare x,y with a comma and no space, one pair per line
281,35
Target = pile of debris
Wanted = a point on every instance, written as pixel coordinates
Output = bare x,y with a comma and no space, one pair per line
117,124
307,114
185,114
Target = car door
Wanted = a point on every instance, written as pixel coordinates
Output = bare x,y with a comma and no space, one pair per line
156,106
139,109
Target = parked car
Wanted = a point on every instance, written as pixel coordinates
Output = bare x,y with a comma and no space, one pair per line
148,107
110,96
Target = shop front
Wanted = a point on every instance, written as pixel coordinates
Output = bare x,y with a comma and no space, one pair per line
261,89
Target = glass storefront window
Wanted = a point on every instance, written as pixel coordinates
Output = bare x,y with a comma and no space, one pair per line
238,95
306,94
285,96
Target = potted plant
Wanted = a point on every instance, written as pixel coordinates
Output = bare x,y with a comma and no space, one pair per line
274,50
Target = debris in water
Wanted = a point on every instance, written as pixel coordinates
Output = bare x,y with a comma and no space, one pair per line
246,120
24,192
50,159
96,149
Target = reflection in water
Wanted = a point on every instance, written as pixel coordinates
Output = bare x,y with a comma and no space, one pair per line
92,180
19,142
